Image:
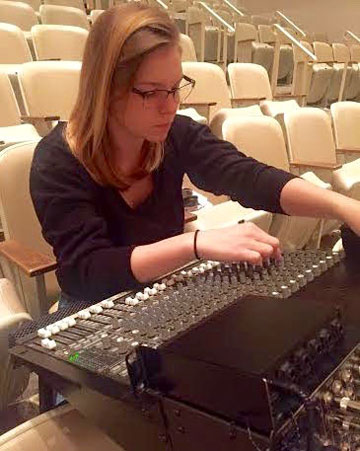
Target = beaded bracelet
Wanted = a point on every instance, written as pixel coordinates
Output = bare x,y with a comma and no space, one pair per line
195,248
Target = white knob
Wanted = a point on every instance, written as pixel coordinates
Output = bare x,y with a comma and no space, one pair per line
54,329
96,309
84,314
107,304
71,321
44,333
48,344
62,325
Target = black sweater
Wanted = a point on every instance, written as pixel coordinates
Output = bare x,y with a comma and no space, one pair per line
93,230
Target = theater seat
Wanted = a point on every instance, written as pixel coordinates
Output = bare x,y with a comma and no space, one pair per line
11,129
261,138
61,429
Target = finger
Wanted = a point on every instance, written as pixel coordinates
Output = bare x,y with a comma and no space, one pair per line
260,235
264,249
251,256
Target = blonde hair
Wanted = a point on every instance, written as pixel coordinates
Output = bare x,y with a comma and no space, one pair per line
118,42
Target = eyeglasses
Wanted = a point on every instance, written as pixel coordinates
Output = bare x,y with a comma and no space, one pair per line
157,97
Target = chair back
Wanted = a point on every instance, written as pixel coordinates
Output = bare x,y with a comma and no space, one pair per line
18,13
13,46
310,138
63,15
210,85
187,47
63,42
249,81
20,222
9,111
346,119
50,87
70,3
261,137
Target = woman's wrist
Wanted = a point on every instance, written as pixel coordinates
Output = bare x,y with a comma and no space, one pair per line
188,245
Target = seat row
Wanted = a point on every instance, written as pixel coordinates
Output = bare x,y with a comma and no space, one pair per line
53,42
25,17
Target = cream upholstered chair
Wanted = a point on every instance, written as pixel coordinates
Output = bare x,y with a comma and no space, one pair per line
63,428
62,42
13,379
286,63
353,90
35,4
187,47
13,46
72,3
18,13
211,92
319,76
226,113
346,120
249,83
14,51
261,138
49,90
310,142
343,69
324,54
249,50
94,14
25,256
311,146
11,128
205,36
227,214
63,15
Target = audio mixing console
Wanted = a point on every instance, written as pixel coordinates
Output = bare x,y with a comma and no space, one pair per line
125,342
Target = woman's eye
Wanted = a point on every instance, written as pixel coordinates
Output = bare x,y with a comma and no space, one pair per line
150,94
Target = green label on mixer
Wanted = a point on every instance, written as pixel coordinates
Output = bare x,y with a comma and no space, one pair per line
74,357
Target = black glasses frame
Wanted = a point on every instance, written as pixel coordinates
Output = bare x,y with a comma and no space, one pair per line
174,91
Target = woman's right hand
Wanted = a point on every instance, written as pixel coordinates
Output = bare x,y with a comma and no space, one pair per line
241,242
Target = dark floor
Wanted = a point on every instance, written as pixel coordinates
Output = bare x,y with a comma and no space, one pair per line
22,409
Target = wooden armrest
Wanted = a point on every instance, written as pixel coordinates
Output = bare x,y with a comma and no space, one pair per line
31,262
37,118
200,103
290,96
189,217
245,40
349,149
238,99
316,164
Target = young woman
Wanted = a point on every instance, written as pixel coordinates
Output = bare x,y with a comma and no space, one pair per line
107,185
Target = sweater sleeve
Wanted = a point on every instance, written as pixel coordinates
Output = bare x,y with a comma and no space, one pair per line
90,266
217,166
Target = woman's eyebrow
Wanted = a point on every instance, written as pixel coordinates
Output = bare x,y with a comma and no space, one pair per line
154,84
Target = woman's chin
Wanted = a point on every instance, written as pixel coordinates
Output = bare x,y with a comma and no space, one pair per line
158,135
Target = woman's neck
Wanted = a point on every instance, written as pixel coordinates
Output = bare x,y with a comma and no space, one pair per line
127,147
